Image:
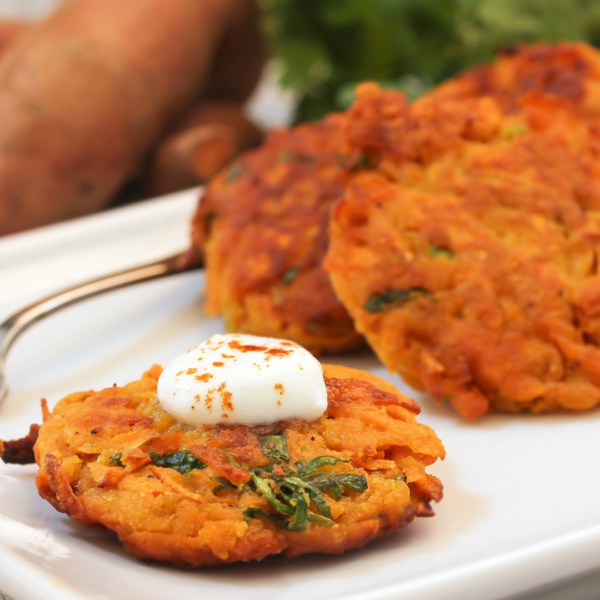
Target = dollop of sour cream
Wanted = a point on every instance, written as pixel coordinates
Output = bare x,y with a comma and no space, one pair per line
243,379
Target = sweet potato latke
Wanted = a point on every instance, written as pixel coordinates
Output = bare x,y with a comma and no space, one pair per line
219,494
468,257
262,225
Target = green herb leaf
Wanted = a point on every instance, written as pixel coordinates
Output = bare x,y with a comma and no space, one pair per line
207,220
115,460
234,172
326,481
320,520
300,484
252,512
354,163
308,466
393,299
291,494
181,461
225,485
440,251
234,463
290,275
275,447
299,520
355,483
263,487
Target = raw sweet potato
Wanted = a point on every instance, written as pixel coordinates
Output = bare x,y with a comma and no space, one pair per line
202,143
85,93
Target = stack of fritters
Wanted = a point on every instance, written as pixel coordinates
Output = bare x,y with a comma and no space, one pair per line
219,494
262,225
468,253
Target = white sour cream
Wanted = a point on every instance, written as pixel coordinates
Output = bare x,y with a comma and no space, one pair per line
243,379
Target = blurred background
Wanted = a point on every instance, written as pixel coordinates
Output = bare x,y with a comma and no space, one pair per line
282,62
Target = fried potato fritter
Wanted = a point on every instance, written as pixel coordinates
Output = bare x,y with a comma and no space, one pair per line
262,225
218,494
468,257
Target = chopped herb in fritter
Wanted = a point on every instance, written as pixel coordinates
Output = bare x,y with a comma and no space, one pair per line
182,461
393,299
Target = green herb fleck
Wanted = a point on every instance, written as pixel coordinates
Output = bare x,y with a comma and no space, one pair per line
207,221
393,299
115,460
512,130
275,447
251,513
400,478
308,466
182,461
440,251
354,483
225,485
234,172
290,275
292,493
354,163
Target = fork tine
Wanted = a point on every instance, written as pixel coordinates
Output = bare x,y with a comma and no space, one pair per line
12,327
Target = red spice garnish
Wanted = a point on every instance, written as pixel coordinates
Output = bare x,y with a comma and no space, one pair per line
278,352
205,377
218,364
279,388
191,371
246,348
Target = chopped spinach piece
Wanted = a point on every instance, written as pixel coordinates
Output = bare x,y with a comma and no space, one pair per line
207,221
225,485
264,488
291,494
234,172
275,447
308,466
441,251
115,460
393,299
251,513
290,275
182,461
354,164
354,483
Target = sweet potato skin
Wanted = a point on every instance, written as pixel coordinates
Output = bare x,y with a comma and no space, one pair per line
81,103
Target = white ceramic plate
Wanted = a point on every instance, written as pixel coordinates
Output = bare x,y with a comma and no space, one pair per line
521,507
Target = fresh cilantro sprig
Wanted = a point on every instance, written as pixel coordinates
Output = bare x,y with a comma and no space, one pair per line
292,492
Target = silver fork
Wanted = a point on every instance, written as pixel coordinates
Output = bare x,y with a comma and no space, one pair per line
20,321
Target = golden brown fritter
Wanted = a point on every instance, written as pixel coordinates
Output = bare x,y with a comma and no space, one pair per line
108,458
469,257
263,227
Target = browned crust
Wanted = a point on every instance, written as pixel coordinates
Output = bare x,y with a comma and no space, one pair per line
58,487
20,452
263,227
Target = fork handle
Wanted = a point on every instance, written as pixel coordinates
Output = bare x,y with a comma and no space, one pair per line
12,327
